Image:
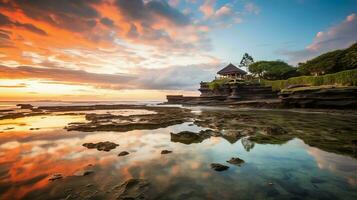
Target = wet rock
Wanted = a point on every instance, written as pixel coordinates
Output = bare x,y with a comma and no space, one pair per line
101,146
34,129
107,122
219,167
84,172
235,161
165,152
55,177
123,153
188,137
25,106
132,189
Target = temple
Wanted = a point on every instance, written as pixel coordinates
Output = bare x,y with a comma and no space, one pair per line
231,71
231,84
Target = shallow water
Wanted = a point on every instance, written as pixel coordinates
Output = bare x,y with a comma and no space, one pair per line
292,170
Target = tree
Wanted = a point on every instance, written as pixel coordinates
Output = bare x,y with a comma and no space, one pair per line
330,62
246,60
272,70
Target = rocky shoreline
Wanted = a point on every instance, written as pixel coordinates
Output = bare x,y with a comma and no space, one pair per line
302,97
248,126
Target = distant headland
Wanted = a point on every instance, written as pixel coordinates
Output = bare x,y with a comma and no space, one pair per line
327,81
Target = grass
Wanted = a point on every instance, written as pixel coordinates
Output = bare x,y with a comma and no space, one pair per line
343,78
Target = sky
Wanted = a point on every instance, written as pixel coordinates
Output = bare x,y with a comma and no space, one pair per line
145,49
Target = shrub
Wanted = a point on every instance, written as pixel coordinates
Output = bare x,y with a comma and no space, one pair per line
217,83
343,78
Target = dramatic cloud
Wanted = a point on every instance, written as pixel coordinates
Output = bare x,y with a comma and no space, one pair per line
110,44
5,21
78,15
170,78
66,76
336,37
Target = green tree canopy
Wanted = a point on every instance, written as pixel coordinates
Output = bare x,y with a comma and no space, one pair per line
246,60
331,62
272,70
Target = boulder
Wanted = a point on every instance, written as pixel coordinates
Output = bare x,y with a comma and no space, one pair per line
235,161
219,167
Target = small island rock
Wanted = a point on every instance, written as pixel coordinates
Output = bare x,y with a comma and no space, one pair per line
219,167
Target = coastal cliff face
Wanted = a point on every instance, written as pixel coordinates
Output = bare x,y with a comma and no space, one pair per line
310,97
239,91
225,93
326,97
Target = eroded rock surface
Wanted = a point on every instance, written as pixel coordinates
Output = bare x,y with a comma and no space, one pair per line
165,116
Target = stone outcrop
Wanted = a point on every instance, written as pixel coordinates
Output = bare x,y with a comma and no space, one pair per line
225,94
310,97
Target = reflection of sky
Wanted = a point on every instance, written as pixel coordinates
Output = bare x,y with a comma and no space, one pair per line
27,158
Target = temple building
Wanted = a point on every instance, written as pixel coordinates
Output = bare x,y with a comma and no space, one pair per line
231,71
238,87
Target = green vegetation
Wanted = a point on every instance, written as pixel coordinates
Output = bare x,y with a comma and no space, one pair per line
272,70
344,78
246,60
217,83
331,62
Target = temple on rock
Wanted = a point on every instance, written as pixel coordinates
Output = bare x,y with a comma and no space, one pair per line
231,71
230,84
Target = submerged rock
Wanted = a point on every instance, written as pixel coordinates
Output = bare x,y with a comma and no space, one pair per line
165,152
101,146
132,189
219,167
107,122
55,177
235,161
123,153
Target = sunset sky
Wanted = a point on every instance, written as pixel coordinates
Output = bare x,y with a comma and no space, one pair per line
145,49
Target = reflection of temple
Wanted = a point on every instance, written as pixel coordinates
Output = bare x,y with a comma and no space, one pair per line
247,144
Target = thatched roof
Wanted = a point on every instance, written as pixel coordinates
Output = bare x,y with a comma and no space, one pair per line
231,69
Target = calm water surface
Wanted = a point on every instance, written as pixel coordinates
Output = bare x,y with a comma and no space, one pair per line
292,170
